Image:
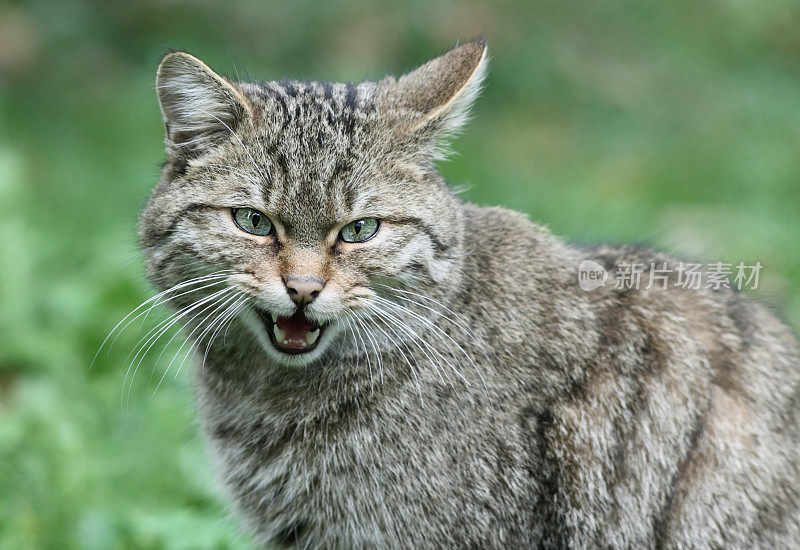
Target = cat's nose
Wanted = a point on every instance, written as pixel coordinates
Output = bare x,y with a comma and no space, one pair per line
303,289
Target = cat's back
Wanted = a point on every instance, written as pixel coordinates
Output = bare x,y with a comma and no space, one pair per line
662,415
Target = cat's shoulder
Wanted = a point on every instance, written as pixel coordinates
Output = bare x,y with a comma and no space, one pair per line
503,228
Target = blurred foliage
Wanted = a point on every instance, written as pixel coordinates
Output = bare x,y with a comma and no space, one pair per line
674,123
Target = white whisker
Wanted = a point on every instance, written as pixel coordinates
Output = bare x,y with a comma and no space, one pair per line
166,325
155,300
414,337
403,355
220,312
371,381
222,301
436,330
226,323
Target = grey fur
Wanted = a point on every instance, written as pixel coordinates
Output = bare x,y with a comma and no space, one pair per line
473,396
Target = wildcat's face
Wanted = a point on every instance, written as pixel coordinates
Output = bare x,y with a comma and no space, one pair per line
305,196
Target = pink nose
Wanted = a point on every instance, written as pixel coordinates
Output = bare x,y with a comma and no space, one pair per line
303,289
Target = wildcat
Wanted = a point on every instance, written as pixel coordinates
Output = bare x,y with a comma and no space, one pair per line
381,364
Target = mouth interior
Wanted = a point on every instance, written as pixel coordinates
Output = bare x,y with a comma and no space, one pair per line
295,334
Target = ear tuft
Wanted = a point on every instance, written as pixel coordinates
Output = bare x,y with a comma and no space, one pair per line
200,107
438,94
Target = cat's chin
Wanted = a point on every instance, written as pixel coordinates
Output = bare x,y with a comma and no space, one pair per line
284,348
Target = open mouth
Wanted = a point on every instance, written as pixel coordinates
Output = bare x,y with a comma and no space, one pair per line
295,334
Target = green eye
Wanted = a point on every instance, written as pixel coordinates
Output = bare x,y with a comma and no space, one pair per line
359,230
252,221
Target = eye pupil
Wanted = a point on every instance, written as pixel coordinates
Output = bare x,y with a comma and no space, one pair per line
358,226
255,219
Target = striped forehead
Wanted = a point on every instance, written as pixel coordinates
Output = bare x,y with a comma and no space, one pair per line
314,136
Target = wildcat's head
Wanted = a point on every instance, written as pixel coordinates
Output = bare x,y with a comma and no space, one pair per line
292,203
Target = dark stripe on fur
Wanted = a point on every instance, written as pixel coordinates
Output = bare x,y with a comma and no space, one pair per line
424,227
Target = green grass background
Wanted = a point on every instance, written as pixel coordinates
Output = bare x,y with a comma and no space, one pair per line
675,123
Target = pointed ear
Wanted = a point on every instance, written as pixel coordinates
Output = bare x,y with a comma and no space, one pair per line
437,96
200,108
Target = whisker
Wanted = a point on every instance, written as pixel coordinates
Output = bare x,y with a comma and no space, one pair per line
217,305
166,325
221,280
403,355
439,331
375,344
396,321
436,329
174,315
371,381
241,304
456,317
209,302
457,320
221,312
363,342
355,340
153,299
398,311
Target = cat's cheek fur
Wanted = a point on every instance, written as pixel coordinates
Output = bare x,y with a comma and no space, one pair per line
402,253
